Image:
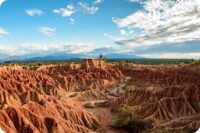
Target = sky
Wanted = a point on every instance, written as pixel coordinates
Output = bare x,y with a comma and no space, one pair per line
146,28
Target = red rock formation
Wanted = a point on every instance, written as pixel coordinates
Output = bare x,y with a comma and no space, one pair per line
29,102
177,98
34,100
93,63
80,78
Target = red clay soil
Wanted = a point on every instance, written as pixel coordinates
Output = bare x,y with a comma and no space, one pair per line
32,100
37,100
175,104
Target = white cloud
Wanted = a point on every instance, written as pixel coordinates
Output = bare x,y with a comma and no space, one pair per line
77,48
2,1
122,32
84,7
113,37
88,9
125,32
97,1
42,48
136,1
47,31
172,55
163,22
33,12
3,32
68,11
72,21
7,49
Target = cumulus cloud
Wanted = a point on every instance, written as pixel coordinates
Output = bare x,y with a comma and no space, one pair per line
104,49
47,31
3,32
2,1
4,49
34,12
40,49
32,48
64,12
88,9
125,32
162,22
69,10
77,48
173,55
183,47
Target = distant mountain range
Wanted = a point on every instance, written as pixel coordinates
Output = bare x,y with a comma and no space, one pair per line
63,56
121,56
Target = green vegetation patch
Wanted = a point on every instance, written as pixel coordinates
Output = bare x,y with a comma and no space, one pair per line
126,119
33,64
195,62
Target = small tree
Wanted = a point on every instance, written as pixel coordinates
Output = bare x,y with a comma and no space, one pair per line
101,56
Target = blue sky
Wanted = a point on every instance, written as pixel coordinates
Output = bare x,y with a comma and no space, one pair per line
147,28
87,27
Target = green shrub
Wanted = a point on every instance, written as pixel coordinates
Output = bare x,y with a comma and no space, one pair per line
195,62
126,119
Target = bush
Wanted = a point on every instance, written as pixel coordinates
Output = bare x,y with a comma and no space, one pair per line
125,120
195,62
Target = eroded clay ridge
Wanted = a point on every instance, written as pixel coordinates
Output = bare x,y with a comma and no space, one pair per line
34,100
168,96
37,100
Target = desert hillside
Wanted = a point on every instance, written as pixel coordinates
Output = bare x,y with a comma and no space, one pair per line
101,97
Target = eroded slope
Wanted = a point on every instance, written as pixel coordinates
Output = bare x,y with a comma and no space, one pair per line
85,98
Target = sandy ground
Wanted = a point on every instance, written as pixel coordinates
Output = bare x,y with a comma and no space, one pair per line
103,114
